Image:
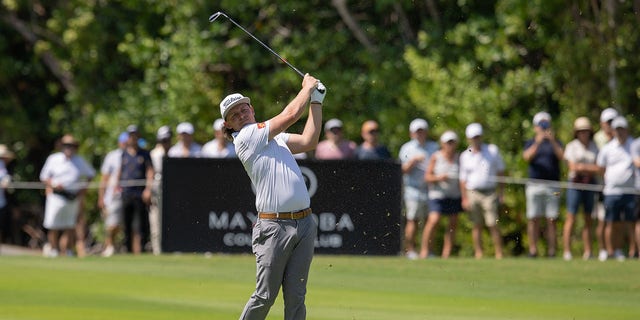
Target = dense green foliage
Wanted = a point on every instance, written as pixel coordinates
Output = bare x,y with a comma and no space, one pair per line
92,67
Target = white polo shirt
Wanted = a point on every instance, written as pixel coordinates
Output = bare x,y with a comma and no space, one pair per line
275,174
635,154
479,169
415,188
212,149
111,166
66,172
177,150
618,164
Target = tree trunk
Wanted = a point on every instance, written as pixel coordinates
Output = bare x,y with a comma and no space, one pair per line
352,24
65,77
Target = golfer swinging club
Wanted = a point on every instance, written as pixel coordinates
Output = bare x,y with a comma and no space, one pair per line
284,234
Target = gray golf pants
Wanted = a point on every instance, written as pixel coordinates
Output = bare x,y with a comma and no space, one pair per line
284,250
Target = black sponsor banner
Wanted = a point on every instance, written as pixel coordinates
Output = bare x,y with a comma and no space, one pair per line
209,205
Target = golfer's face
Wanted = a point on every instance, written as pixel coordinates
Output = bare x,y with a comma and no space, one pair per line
240,115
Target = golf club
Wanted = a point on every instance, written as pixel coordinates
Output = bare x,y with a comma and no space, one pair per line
215,16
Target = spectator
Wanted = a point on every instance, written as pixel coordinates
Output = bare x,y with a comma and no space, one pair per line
109,195
616,163
602,137
414,156
163,138
480,165
605,134
335,146
580,155
543,153
219,147
635,154
135,166
6,156
65,175
185,147
444,193
371,149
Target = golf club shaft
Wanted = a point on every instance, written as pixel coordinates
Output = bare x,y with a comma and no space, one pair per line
214,16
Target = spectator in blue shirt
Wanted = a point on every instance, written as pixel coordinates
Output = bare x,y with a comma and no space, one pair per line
543,153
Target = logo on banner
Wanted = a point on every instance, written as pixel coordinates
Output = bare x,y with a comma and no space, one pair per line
310,180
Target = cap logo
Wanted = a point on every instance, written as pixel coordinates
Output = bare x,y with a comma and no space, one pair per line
231,100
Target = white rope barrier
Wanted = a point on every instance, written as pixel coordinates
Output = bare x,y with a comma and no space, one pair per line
35,185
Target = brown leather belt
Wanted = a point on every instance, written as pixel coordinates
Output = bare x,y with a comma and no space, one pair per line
285,215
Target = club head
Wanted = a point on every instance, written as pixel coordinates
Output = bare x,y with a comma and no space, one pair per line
215,16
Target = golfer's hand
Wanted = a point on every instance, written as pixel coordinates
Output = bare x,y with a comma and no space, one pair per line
317,95
309,82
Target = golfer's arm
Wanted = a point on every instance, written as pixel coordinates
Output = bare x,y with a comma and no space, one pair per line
308,140
291,113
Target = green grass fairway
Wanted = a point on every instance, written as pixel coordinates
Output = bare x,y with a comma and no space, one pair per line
340,287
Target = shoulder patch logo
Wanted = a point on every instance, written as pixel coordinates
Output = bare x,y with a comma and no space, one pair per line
261,125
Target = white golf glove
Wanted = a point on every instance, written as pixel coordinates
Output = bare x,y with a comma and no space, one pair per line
317,96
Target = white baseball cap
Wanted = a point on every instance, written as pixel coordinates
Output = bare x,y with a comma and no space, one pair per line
473,130
608,114
231,101
418,124
164,132
185,127
541,116
218,124
449,136
332,123
619,122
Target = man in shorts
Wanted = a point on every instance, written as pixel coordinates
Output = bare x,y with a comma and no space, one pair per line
480,164
414,156
285,232
616,163
109,197
543,153
602,137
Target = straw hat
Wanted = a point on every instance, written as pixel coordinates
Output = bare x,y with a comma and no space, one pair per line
5,153
582,123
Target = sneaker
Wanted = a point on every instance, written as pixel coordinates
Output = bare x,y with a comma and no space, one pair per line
108,251
46,250
618,255
602,255
412,255
567,256
586,256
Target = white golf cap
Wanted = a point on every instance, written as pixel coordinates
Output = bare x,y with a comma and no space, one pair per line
608,114
449,136
164,132
332,123
218,124
619,122
540,117
231,101
418,124
473,130
185,127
